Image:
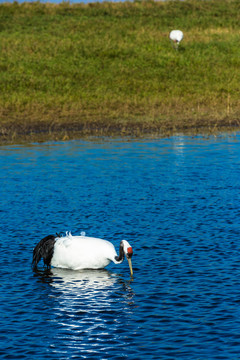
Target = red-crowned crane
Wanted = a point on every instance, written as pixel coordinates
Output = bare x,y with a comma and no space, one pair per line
80,252
176,36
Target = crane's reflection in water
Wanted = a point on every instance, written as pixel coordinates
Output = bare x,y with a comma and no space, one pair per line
89,307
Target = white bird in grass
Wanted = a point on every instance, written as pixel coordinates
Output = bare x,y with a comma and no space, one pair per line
80,252
176,36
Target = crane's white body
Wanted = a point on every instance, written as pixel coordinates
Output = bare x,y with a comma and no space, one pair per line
82,252
176,36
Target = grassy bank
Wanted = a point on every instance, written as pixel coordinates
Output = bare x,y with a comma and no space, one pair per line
110,67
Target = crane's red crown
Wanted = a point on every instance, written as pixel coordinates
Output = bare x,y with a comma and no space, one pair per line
130,251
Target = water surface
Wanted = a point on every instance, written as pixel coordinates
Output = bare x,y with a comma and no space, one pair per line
176,200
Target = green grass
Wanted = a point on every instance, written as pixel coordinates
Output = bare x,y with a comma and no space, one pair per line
111,65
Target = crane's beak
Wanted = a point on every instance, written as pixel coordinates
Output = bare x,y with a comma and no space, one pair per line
130,265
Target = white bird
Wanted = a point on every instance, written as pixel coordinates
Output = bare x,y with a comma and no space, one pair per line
176,36
80,252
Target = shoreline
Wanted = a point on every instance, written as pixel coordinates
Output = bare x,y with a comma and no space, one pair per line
39,132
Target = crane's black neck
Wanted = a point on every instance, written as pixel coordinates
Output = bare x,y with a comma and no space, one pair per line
120,257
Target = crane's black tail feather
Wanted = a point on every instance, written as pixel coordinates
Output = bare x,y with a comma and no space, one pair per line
44,249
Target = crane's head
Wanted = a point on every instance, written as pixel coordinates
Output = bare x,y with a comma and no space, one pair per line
128,251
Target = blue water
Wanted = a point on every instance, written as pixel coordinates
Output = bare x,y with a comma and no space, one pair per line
176,200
